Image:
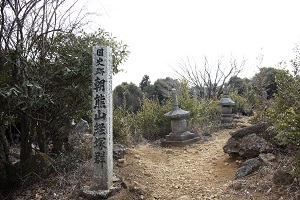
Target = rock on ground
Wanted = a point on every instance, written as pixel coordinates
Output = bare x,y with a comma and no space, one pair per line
248,167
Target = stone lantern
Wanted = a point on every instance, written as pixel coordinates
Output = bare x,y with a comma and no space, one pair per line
226,103
180,136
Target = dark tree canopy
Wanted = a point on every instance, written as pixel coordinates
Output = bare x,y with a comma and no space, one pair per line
163,87
128,96
236,84
267,76
145,82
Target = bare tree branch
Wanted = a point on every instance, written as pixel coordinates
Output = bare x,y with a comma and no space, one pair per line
209,79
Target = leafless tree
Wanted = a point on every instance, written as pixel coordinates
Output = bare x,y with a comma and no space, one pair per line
209,79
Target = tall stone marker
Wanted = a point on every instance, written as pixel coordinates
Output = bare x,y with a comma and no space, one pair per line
102,143
102,118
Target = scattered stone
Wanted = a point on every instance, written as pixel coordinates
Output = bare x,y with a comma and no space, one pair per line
247,112
123,184
185,197
248,167
232,147
238,161
236,116
38,196
118,151
249,146
81,128
147,174
138,188
252,145
169,151
282,177
122,160
267,157
257,128
206,138
237,185
80,140
207,133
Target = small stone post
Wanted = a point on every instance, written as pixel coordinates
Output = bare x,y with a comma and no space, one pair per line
102,143
226,103
180,136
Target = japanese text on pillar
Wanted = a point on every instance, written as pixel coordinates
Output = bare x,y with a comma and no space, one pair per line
100,111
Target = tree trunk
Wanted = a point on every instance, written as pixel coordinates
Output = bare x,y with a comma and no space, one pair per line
41,137
4,146
25,142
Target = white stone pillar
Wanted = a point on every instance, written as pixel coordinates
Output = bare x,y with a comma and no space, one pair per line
102,109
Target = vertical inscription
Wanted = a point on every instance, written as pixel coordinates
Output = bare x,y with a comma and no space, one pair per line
102,117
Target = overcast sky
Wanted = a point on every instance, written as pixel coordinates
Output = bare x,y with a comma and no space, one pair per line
160,33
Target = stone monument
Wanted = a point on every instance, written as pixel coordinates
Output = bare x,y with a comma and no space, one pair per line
180,136
226,103
102,142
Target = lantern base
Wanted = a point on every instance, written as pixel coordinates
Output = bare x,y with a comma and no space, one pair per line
180,140
226,118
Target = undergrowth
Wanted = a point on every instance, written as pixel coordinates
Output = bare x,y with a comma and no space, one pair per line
150,123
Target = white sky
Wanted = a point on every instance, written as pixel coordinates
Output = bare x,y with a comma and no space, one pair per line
160,33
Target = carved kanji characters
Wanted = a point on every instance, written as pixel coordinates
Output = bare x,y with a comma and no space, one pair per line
99,101
99,143
99,115
99,158
99,129
99,84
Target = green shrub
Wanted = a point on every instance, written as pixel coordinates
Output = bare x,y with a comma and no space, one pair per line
209,116
252,99
150,120
189,104
240,103
284,112
123,125
204,114
150,123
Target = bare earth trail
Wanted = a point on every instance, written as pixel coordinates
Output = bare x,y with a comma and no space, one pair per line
198,171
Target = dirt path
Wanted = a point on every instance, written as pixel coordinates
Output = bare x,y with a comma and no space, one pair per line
198,171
